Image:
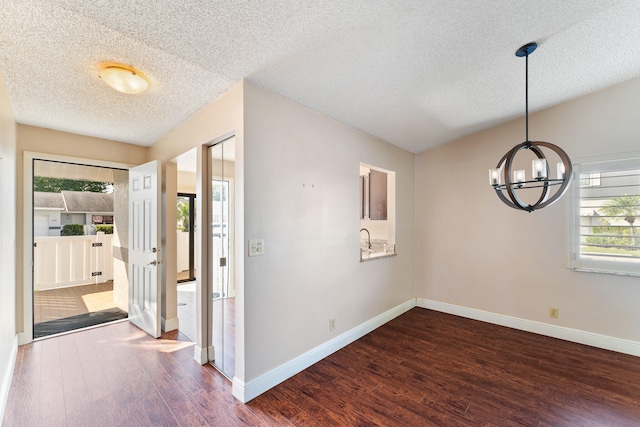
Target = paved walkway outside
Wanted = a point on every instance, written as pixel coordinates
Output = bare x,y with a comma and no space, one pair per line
66,302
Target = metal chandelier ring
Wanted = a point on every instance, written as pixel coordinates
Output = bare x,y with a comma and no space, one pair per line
505,164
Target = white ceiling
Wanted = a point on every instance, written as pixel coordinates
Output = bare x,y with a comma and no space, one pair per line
415,73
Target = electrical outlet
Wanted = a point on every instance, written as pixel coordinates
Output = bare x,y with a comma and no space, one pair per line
332,324
554,312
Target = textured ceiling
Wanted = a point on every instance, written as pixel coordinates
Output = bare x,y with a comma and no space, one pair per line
415,73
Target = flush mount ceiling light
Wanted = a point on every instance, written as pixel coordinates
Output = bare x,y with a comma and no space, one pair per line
515,180
123,78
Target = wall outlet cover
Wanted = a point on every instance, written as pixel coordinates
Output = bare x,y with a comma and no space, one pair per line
256,247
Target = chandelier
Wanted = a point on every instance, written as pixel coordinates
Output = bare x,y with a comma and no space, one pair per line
509,184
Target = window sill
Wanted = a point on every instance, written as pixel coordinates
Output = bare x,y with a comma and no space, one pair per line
375,255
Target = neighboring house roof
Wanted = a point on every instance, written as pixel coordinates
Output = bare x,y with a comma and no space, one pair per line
74,201
42,200
84,201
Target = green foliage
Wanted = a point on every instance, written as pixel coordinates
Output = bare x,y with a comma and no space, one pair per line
614,236
56,185
72,230
183,216
104,228
626,207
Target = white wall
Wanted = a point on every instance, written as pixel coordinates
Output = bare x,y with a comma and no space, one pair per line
121,239
186,182
222,117
475,252
169,309
302,197
311,270
8,338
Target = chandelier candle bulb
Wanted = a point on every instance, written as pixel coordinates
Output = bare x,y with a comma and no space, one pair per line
539,167
494,177
518,176
560,169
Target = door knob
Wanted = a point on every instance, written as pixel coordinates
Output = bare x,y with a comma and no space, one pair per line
154,262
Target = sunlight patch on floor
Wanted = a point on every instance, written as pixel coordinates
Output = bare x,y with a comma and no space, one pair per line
98,301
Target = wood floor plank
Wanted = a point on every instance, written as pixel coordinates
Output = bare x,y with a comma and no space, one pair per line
273,411
308,405
422,368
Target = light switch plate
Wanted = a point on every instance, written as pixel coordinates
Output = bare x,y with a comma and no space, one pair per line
256,247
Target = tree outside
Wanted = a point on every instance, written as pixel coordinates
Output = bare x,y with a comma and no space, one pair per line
57,185
626,207
617,239
183,215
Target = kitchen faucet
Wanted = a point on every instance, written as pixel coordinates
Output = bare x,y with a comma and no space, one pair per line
369,237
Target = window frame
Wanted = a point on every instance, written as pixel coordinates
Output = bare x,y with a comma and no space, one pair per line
595,165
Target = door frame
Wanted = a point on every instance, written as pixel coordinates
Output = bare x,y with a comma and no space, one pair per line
26,336
192,235
203,350
233,241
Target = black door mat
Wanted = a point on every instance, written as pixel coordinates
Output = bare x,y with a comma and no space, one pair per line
77,322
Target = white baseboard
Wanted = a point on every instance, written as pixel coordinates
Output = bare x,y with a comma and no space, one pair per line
24,338
170,324
7,375
202,355
247,391
568,334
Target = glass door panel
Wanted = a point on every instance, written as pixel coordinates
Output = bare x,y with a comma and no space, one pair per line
221,210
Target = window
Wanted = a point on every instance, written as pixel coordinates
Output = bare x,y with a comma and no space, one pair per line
102,219
605,215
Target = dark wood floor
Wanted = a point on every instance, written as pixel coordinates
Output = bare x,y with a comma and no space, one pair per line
423,368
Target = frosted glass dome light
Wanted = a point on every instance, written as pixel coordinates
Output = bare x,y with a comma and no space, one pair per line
124,79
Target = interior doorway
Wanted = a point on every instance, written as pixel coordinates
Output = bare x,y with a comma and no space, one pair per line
79,277
186,253
221,243
186,237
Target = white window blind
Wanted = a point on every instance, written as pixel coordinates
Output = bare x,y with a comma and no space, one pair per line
605,215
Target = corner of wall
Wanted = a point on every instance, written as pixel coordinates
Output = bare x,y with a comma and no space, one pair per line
8,337
554,331
7,375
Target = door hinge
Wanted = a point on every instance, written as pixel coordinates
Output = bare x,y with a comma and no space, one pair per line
223,262
96,273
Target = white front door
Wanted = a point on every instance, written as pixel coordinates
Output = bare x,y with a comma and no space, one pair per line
144,283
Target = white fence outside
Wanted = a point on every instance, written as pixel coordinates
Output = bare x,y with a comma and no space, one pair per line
64,261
